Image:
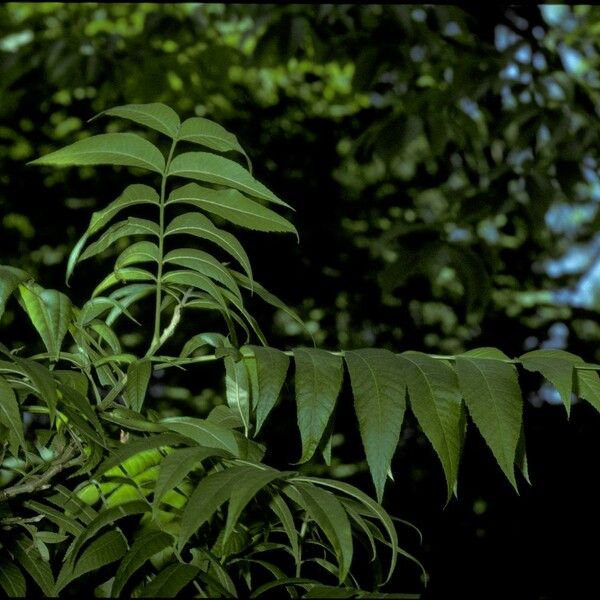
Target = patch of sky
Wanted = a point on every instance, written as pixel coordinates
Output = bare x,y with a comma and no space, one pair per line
417,53
511,71
516,158
558,15
459,234
470,107
523,54
505,37
554,91
572,60
539,61
451,28
558,334
567,219
575,260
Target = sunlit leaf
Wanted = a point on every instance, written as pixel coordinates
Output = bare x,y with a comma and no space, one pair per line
154,115
126,149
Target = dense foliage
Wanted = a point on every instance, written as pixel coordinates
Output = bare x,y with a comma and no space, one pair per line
442,164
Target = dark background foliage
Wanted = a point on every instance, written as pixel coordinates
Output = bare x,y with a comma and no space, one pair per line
442,162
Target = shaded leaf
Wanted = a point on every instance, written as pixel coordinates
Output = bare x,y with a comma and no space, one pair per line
170,581
435,400
203,432
237,388
379,401
10,278
10,417
138,378
493,397
318,382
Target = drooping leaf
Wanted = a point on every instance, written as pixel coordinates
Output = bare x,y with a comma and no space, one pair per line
176,466
237,388
108,548
138,378
10,417
330,516
279,506
212,168
493,397
210,134
29,558
143,548
436,402
247,486
10,278
11,579
199,226
205,264
107,516
587,386
131,226
557,366
170,581
203,432
58,517
132,195
212,491
318,382
379,401
125,451
50,313
154,115
125,149
232,206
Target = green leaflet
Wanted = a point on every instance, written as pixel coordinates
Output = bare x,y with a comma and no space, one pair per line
10,278
155,115
10,417
203,432
237,388
212,168
200,282
436,402
58,517
379,401
205,264
50,313
108,516
120,275
247,486
282,511
557,366
175,467
330,516
142,549
131,226
29,558
94,307
138,377
126,149
318,381
210,134
108,548
272,366
212,491
170,581
232,206
493,397
132,195
12,580
125,451
199,226
137,253
587,386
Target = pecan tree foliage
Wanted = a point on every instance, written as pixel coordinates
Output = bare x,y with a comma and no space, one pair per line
95,483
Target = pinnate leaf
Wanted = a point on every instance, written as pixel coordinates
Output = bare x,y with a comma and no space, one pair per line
318,382
154,115
379,401
212,168
493,397
125,149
